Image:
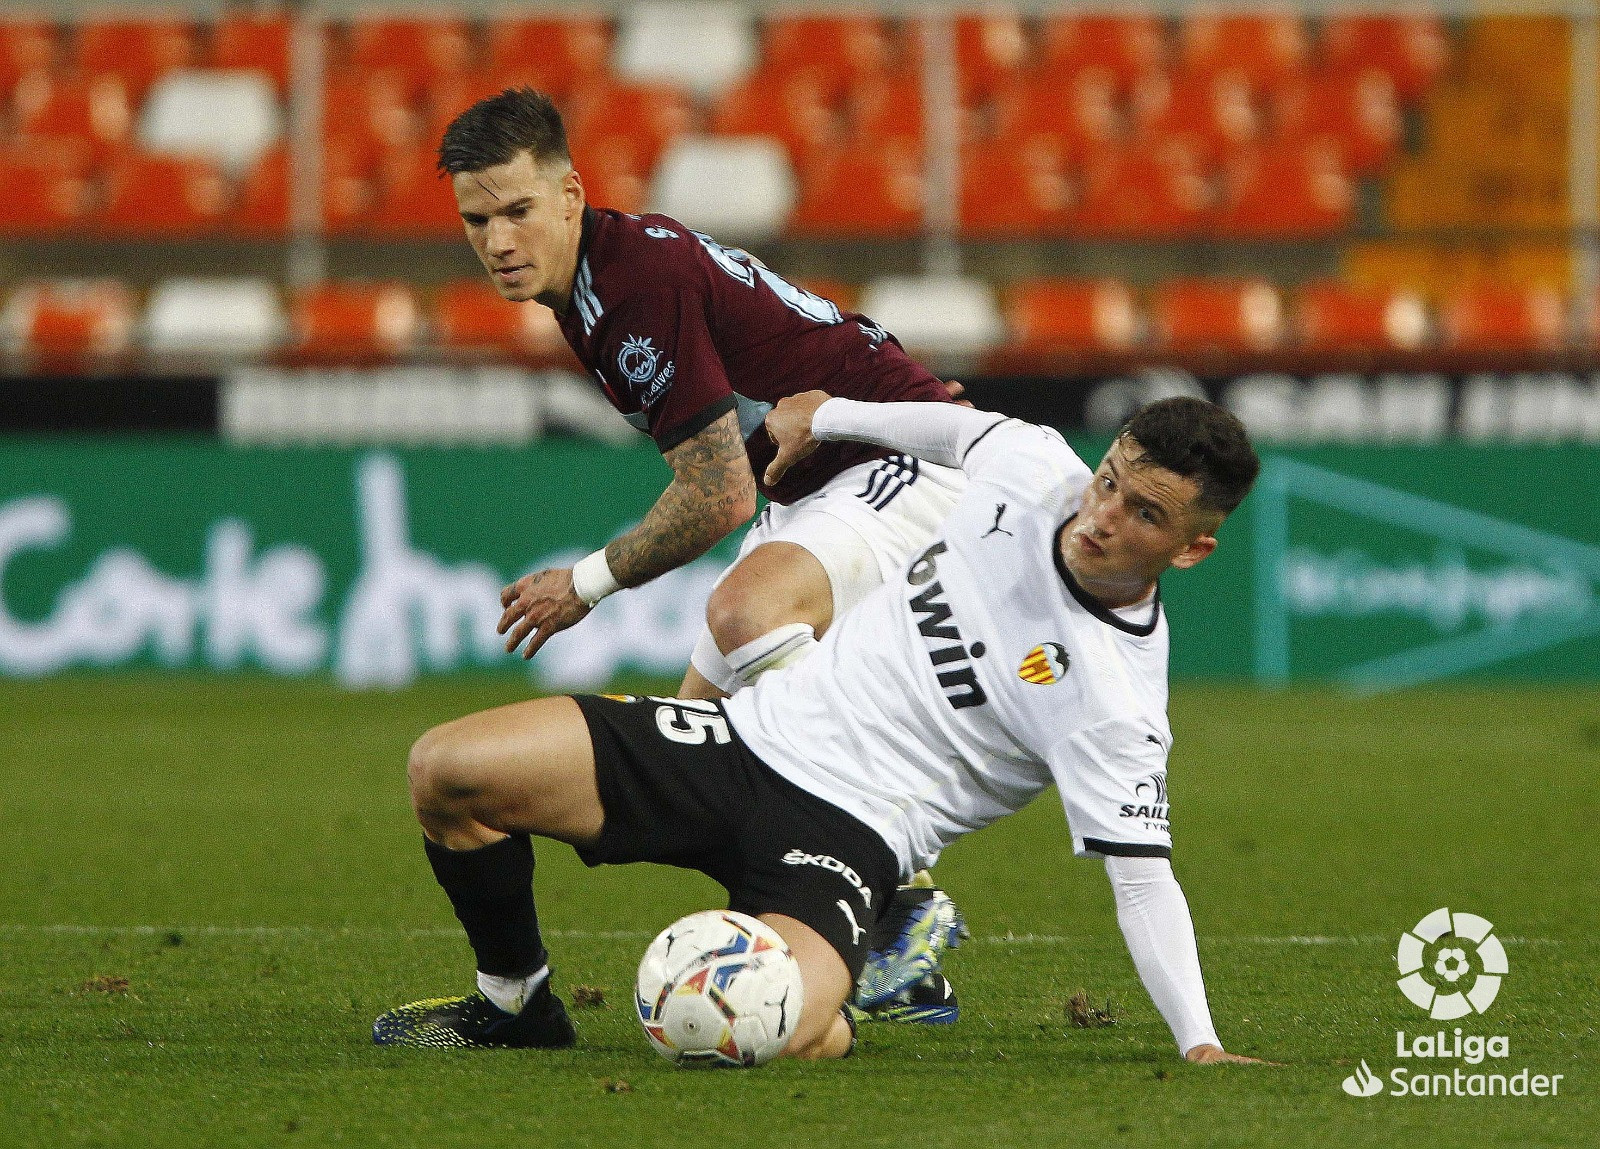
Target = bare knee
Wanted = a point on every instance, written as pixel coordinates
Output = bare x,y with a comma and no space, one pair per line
741,610
439,789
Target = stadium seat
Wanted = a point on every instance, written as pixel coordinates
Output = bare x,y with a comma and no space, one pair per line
702,47
1124,47
860,191
992,49
1490,317
1358,111
61,323
1217,315
236,317
469,316
26,46
96,111
47,186
842,49
229,117
1411,49
262,205
1293,191
650,116
137,51
1012,190
790,106
614,173
1213,113
165,196
566,53
1141,192
740,187
1078,116
1064,315
412,198
369,109
1265,48
353,322
1333,316
935,315
886,111
254,41
422,51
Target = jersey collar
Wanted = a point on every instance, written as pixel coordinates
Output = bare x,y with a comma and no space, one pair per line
1093,605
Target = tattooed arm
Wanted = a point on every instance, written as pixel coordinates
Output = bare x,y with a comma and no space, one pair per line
711,494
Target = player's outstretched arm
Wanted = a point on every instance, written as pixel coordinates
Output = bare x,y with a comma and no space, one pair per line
936,432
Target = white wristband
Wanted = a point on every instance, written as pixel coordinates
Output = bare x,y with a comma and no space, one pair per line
592,579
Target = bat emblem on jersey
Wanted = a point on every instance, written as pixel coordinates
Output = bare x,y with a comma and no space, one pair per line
1045,664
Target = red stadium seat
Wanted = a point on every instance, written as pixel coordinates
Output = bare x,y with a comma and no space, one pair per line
470,317
1213,114
1077,116
844,50
861,191
61,324
254,40
46,184
137,51
1411,49
887,111
1293,191
412,199
650,116
1334,316
422,51
1265,49
1217,315
1490,317
791,107
1358,112
992,49
262,208
1066,315
26,46
354,322
94,110
1123,47
158,195
1012,191
369,108
1141,192
566,53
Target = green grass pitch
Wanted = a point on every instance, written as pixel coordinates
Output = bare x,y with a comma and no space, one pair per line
212,887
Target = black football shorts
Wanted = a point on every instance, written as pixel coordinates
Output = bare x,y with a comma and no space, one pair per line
680,787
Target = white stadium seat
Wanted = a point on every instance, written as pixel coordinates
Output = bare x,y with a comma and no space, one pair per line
231,117
237,317
736,187
703,47
939,315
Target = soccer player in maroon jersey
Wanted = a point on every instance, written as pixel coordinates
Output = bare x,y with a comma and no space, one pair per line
694,343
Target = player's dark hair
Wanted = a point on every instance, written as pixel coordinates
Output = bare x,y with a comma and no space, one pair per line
1199,441
494,130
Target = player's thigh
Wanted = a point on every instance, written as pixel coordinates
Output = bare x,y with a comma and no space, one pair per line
827,984
697,685
523,768
776,583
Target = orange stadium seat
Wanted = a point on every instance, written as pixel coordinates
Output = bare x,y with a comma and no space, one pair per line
254,40
1333,316
94,110
887,111
137,51
262,207
649,115
860,191
1012,191
1057,315
61,323
565,53
156,195
1217,315
844,50
1412,49
423,51
1293,191
412,199
470,317
992,49
1077,116
1490,317
1213,114
792,107
1357,111
1126,48
369,108
1266,49
26,46
614,173
46,184
1143,193
353,322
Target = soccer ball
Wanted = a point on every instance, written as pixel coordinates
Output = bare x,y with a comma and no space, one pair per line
719,988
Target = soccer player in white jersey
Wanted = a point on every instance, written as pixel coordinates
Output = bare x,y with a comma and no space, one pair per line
1026,645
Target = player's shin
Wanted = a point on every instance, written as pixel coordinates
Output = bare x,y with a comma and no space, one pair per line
491,890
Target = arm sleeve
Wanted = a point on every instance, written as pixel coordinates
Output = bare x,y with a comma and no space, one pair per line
939,433
1154,916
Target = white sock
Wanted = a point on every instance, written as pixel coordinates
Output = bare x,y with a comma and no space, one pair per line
511,993
782,646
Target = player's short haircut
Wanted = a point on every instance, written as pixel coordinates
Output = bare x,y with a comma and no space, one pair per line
494,130
1199,441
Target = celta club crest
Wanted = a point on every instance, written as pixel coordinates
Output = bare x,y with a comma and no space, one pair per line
638,360
1044,665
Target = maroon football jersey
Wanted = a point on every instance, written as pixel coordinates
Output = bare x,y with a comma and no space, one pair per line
680,330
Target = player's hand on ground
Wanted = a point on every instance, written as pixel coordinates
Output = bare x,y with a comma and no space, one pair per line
540,604
1216,1055
956,390
789,425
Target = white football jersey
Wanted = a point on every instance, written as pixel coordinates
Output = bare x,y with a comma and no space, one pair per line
956,693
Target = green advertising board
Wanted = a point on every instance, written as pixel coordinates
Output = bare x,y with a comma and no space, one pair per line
1375,567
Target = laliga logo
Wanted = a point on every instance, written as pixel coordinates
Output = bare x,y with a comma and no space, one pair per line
1452,964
